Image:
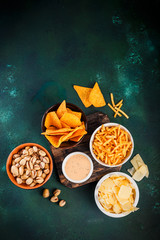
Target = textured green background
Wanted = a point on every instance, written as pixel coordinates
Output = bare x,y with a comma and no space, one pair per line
45,48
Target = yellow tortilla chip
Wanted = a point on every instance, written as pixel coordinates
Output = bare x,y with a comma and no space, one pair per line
78,114
83,93
62,109
71,120
52,119
96,97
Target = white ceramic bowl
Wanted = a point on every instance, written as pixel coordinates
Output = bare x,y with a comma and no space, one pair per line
114,215
65,161
111,125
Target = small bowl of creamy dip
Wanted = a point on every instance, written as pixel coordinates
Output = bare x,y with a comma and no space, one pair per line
77,167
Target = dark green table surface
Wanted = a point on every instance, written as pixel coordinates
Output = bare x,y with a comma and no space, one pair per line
45,48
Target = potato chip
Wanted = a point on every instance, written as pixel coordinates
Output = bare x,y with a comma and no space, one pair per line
96,97
62,109
71,120
83,93
116,194
52,119
78,114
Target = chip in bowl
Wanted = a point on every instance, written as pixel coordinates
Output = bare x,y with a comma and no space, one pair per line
117,195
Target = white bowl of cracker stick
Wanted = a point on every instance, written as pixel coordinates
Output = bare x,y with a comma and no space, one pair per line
111,145
116,195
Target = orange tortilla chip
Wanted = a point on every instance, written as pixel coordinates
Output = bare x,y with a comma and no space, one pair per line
64,125
83,93
62,109
69,135
52,128
55,140
83,125
79,132
96,97
76,139
52,119
78,114
71,120
61,131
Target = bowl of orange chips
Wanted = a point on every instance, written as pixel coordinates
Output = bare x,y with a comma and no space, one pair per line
116,195
64,125
111,144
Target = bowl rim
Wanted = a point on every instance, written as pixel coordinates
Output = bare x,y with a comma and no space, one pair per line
8,165
108,125
114,215
56,106
65,161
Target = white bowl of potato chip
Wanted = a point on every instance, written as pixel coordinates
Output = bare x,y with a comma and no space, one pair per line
116,195
111,145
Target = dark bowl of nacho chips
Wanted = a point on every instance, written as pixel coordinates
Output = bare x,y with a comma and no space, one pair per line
64,125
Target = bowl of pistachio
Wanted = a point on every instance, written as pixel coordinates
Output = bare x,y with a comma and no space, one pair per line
29,166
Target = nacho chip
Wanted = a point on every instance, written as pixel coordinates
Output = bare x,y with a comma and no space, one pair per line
79,132
62,109
71,120
55,140
52,119
64,125
78,114
76,139
96,97
83,93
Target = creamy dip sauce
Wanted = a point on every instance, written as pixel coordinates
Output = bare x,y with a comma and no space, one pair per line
77,167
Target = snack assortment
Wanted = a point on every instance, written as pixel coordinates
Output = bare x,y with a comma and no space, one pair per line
30,166
111,145
117,194
90,96
139,169
64,125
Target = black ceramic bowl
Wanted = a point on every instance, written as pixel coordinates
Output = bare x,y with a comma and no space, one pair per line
68,144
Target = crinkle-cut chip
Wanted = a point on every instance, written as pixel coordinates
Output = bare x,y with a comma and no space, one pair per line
64,125
71,120
96,97
78,114
83,93
52,119
131,170
124,192
62,109
55,140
